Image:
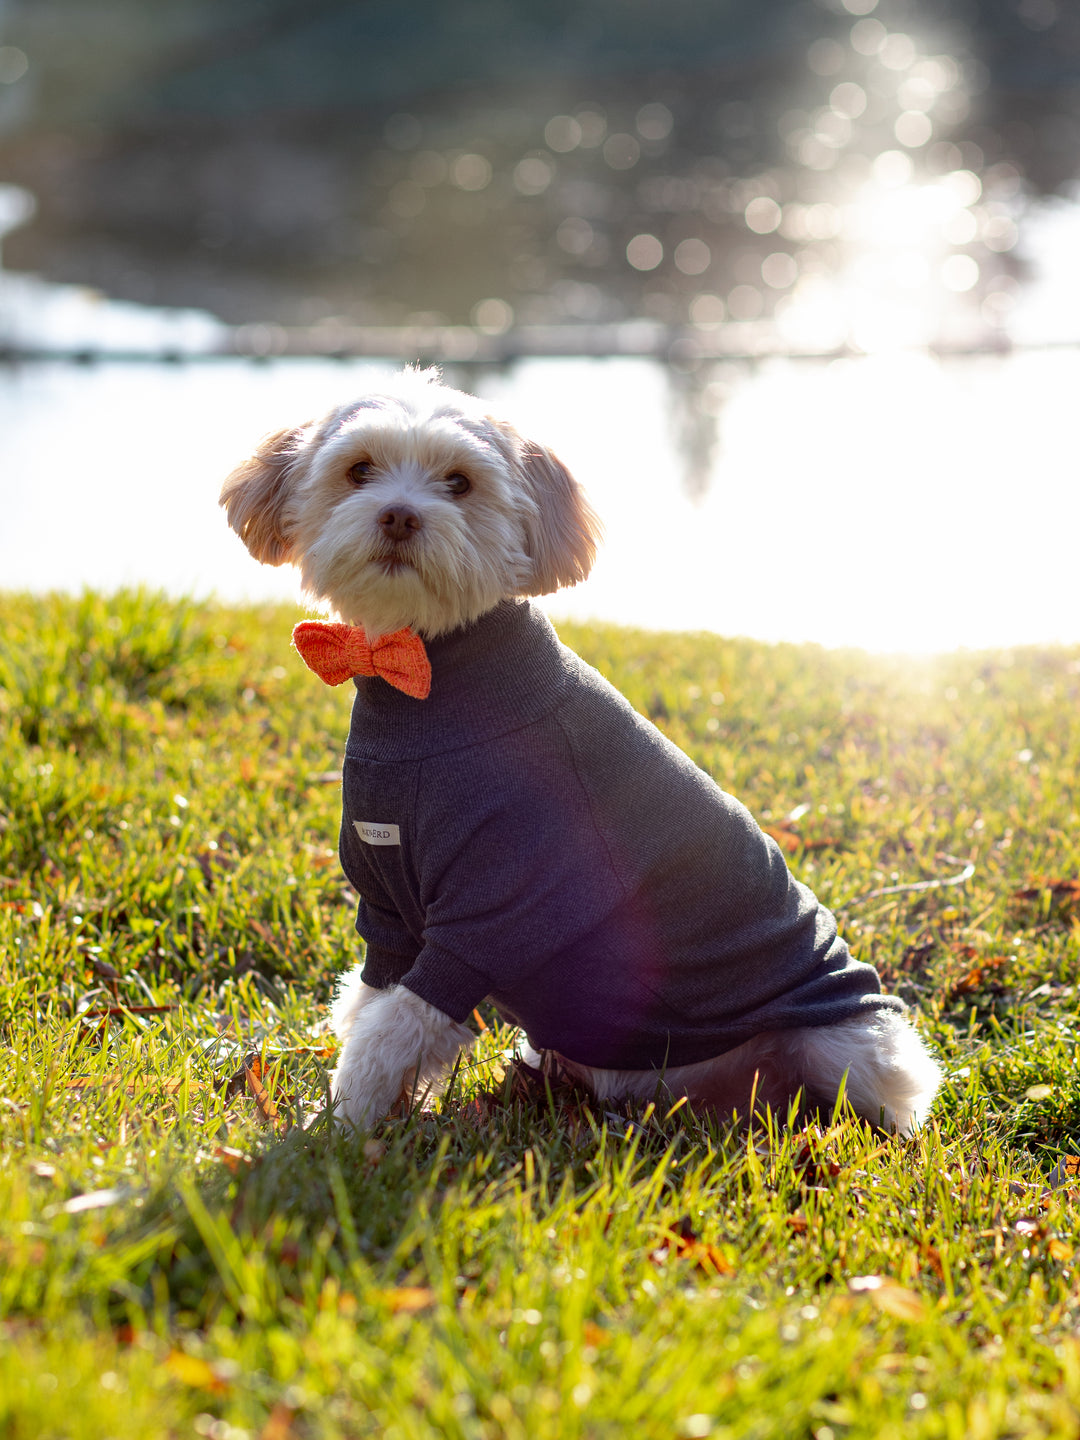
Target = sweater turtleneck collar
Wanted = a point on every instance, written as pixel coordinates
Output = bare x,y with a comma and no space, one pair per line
501,672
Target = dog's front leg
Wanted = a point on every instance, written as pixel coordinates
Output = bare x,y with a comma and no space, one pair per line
394,1045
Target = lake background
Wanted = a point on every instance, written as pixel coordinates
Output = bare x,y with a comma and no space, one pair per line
892,502
792,290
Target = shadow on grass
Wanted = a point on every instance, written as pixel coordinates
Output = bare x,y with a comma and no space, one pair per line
258,1231
396,1211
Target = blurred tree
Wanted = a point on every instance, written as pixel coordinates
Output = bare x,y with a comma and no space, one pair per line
494,160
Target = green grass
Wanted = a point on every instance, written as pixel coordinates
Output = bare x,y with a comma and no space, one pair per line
184,1251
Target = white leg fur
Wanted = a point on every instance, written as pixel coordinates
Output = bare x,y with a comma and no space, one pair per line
393,1044
891,1078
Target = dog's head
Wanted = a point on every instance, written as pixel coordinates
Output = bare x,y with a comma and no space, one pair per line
413,506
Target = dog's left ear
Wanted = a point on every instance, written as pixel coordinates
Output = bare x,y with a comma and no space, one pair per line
562,536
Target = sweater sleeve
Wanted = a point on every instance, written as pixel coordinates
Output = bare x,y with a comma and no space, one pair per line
513,870
389,945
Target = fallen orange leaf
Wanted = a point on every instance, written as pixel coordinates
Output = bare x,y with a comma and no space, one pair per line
1066,890
191,1370
407,1299
978,974
683,1243
888,1296
278,1423
234,1161
268,1111
709,1258
1067,1168
932,1255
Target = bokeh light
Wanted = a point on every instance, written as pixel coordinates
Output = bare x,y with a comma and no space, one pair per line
13,64
645,252
471,172
692,256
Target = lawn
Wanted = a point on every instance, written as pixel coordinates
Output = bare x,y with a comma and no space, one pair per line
187,1249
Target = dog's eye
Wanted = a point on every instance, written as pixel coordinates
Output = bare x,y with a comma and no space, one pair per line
458,484
362,471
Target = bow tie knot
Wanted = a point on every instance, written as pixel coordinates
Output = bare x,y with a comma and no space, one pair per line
338,652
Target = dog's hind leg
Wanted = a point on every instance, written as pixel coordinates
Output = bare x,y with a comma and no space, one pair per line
891,1077
888,1075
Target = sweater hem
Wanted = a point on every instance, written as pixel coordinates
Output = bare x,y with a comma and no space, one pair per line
450,984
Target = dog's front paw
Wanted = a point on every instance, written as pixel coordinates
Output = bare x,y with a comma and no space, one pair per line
361,1099
397,1046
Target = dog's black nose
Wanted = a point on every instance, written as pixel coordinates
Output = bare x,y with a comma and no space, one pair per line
398,522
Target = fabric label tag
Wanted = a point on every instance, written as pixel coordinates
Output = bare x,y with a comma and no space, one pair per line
377,832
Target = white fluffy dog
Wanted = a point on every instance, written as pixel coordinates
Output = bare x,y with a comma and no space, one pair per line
514,829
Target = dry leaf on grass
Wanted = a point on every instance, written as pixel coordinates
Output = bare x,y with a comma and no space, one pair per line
249,1080
191,1370
1065,891
1037,1232
932,1255
814,1170
407,1299
681,1242
1067,1168
977,975
235,1161
790,839
278,1423
253,1073
344,1302
888,1296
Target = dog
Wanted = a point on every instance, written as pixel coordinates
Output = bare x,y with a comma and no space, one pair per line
514,829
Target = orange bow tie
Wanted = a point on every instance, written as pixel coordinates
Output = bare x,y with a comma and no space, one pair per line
338,652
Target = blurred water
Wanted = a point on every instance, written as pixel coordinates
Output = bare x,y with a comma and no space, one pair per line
893,502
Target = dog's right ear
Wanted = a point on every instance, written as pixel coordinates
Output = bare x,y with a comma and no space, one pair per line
255,494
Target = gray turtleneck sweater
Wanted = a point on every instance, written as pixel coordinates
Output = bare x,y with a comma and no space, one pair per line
523,834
